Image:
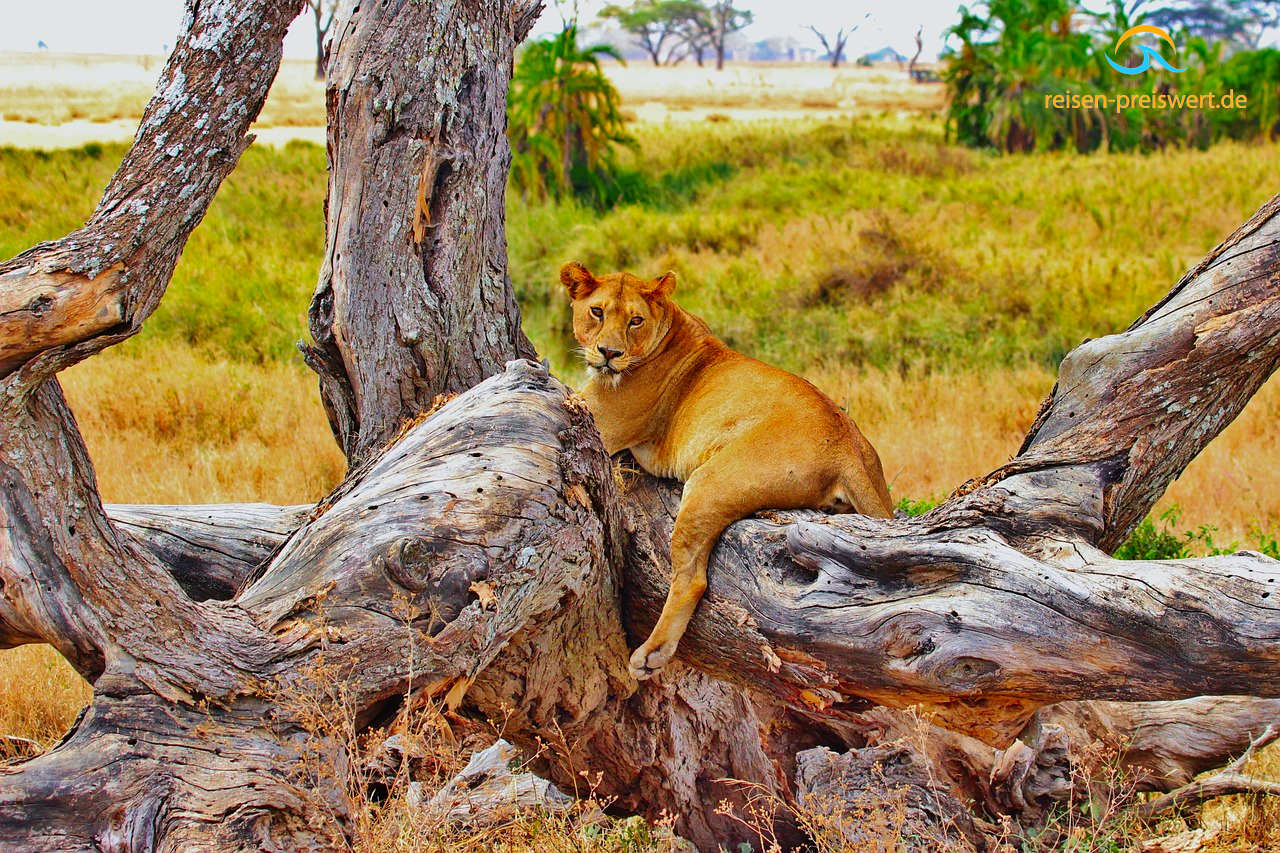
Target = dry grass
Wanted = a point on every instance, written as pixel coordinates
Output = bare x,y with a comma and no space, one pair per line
40,695
105,94
935,431
165,423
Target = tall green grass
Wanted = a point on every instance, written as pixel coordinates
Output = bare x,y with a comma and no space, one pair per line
806,244
242,286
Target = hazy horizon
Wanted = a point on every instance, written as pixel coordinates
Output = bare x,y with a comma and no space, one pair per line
133,27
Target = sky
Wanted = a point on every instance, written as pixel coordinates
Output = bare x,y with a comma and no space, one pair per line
150,26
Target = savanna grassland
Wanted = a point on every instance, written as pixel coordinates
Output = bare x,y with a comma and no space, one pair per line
930,289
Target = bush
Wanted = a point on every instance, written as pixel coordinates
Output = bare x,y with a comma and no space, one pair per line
1014,53
564,118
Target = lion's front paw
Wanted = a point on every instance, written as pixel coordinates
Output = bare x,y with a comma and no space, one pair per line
647,660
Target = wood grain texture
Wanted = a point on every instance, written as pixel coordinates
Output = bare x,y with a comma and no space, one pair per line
413,298
195,625
210,549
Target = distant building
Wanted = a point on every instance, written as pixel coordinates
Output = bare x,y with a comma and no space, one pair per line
884,55
782,49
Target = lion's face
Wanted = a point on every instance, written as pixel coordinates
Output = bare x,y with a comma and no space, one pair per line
618,319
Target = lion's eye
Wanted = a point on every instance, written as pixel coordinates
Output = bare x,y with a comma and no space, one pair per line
597,312
636,321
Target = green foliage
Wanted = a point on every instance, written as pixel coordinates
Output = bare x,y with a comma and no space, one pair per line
913,507
1014,53
1164,542
660,27
1149,542
242,284
564,119
803,243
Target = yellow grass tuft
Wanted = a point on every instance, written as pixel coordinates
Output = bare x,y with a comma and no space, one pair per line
165,423
40,695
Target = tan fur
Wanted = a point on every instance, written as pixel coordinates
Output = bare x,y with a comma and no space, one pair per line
743,436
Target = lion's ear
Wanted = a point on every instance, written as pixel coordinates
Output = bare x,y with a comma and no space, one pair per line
578,280
662,286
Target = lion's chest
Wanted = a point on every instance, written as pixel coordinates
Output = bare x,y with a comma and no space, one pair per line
666,458
651,460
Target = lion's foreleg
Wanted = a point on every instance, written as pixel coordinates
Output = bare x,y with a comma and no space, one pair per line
703,516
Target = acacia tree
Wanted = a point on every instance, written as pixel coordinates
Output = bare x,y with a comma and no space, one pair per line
660,27
834,44
723,20
995,613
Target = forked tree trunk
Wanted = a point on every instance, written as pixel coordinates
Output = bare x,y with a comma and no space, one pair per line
196,624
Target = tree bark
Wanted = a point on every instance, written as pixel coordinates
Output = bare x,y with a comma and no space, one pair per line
414,298
483,552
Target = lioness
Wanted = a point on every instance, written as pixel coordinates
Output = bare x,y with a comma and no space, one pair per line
741,435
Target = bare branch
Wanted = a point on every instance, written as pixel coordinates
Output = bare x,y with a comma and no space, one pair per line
1225,783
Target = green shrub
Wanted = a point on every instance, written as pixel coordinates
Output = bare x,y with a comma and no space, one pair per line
913,507
1014,53
564,119
1149,542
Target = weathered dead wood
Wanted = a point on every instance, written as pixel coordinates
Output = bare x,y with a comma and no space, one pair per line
480,556
1153,746
1230,780
1159,745
826,611
505,489
1131,410
414,298
882,797
212,548
488,791
1162,745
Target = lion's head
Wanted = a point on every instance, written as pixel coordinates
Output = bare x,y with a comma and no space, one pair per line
618,319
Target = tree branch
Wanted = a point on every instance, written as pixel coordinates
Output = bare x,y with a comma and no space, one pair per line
210,549
64,301
68,577
1230,780
413,298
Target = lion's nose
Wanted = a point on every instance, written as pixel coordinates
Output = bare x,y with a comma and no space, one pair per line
609,353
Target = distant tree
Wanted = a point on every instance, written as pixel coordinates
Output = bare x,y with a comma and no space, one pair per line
696,35
911,66
725,21
322,10
835,45
564,117
1240,22
661,27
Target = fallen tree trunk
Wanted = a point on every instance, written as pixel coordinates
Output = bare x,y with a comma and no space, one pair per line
485,555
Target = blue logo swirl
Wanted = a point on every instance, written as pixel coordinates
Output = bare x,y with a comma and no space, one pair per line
1149,54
